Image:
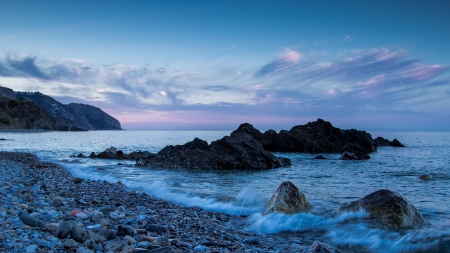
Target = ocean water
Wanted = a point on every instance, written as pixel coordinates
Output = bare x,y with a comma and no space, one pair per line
327,184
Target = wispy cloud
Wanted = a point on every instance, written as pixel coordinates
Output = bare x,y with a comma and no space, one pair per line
359,81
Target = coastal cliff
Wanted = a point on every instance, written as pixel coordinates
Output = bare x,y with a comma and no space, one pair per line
34,110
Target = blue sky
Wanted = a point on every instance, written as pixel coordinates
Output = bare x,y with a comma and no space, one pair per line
206,65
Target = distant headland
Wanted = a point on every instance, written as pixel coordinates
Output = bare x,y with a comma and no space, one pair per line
34,110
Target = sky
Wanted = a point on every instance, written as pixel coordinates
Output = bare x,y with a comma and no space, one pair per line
212,65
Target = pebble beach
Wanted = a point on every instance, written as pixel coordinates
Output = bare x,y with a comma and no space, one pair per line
46,209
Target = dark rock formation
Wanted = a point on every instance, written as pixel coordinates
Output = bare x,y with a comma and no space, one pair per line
353,151
380,141
72,117
396,143
287,199
241,150
316,137
114,153
22,114
388,209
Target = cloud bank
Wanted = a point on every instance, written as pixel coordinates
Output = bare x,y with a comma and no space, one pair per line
374,85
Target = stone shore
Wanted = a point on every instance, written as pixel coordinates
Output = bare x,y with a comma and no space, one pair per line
43,208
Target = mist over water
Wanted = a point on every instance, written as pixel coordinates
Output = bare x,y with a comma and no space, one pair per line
327,184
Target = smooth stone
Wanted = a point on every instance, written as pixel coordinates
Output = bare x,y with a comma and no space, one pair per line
104,222
129,239
139,250
123,230
90,244
144,244
70,244
155,228
128,249
23,193
107,233
63,229
116,246
117,215
162,250
30,220
83,250
162,241
96,237
96,216
80,234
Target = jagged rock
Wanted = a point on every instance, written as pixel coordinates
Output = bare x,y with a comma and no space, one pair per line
317,137
320,157
353,151
320,247
380,141
287,199
396,143
240,150
114,153
388,208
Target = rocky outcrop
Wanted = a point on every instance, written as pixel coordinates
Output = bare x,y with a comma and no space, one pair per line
380,141
22,114
388,209
240,150
287,199
117,154
72,117
316,137
95,117
7,93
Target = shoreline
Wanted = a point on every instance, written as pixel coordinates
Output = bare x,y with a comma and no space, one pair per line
51,194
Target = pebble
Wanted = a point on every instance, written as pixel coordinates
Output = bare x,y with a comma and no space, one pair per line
44,210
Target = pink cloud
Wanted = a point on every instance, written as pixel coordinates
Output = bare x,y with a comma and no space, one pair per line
373,80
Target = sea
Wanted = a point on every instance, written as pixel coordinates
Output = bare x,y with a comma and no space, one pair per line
327,184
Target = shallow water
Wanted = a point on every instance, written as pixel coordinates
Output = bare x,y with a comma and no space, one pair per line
327,184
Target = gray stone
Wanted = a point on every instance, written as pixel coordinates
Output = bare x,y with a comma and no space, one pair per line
162,250
287,199
90,244
116,246
80,234
30,220
123,230
63,229
388,209
155,228
70,244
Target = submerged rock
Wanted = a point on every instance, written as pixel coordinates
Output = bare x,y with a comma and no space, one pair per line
287,199
388,208
320,247
240,150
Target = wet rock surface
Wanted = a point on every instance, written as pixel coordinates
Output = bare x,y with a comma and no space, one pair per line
240,150
388,209
82,221
287,199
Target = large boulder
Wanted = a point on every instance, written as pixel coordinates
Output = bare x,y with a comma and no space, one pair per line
240,150
287,199
388,209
